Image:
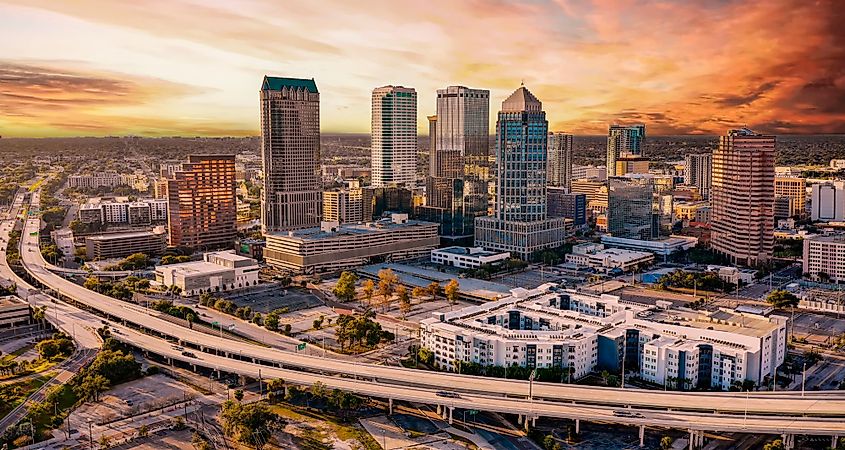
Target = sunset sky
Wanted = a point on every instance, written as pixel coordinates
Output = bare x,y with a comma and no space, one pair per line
180,67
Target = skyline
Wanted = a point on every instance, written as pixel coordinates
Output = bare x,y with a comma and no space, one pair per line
158,68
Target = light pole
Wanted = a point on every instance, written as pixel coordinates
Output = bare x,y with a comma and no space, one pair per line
745,417
803,378
90,433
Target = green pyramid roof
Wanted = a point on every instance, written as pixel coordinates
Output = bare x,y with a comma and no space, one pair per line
277,83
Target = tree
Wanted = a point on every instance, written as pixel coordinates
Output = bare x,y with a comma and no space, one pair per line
271,321
434,290
549,442
387,281
318,322
250,423
419,292
344,290
777,444
452,291
143,431
368,288
239,394
91,387
404,301
782,299
665,443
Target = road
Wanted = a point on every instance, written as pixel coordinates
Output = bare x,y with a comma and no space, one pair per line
816,413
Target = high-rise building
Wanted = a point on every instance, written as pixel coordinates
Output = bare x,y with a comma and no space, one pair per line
795,189
455,194
631,208
520,223
698,169
824,257
394,136
352,204
202,210
631,164
559,169
567,205
623,140
827,202
290,149
742,195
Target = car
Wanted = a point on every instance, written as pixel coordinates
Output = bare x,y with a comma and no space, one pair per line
178,348
189,354
448,394
626,413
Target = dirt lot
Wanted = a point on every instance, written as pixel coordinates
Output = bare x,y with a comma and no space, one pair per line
171,440
132,398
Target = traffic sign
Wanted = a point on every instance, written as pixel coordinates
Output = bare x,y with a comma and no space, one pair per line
300,346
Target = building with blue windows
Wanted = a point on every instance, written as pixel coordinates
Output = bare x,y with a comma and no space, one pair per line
623,140
520,223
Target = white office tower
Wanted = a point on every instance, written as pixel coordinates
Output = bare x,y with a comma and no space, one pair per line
394,136
698,171
559,168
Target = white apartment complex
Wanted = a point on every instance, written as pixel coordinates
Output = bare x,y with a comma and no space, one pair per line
549,327
394,136
825,255
122,211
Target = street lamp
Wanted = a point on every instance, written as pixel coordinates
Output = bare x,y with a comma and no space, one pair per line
90,434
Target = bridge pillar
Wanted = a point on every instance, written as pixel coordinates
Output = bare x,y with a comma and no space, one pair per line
242,379
525,422
642,435
390,406
577,426
692,436
169,361
439,410
451,414
534,421
834,442
519,419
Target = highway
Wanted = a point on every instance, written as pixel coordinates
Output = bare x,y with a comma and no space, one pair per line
767,412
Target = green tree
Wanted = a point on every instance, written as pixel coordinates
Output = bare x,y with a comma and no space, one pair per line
250,424
665,443
387,281
239,395
271,321
344,290
404,301
782,299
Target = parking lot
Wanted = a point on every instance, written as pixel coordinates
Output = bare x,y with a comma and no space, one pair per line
818,329
270,297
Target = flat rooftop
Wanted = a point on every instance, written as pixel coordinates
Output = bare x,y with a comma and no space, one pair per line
194,268
127,235
720,320
465,251
317,233
421,277
11,300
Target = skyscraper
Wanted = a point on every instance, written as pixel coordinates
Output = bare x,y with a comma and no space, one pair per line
631,207
560,160
698,171
455,194
394,136
623,140
290,149
742,197
520,223
795,190
202,212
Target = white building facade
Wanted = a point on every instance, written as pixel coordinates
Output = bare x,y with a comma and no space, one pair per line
394,136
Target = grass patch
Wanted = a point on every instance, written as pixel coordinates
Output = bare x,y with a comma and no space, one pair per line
345,431
11,356
13,394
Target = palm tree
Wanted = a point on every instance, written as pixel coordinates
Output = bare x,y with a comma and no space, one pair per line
39,314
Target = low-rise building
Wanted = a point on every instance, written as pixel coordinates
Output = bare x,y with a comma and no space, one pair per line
824,257
660,247
599,257
734,275
549,327
14,312
218,271
121,245
827,202
467,257
120,211
336,246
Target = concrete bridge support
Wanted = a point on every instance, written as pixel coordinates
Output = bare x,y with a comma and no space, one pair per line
519,419
696,439
642,435
439,410
390,406
451,415
834,442
577,426
788,441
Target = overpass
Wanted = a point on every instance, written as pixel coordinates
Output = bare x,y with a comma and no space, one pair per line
785,413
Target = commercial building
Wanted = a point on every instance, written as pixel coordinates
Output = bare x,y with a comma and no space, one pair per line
467,257
520,224
596,192
795,190
597,172
290,153
459,134
352,204
692,211
569,206
123,212
14,312
393,199
335,246
394,136
559,169
631,164
742,197
827,202
631,207
121,245
660,247
621,141
96,180
599,257
824,257
548,327
698,172
202,208
218,271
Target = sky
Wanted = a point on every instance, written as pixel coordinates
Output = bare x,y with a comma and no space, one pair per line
194,67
